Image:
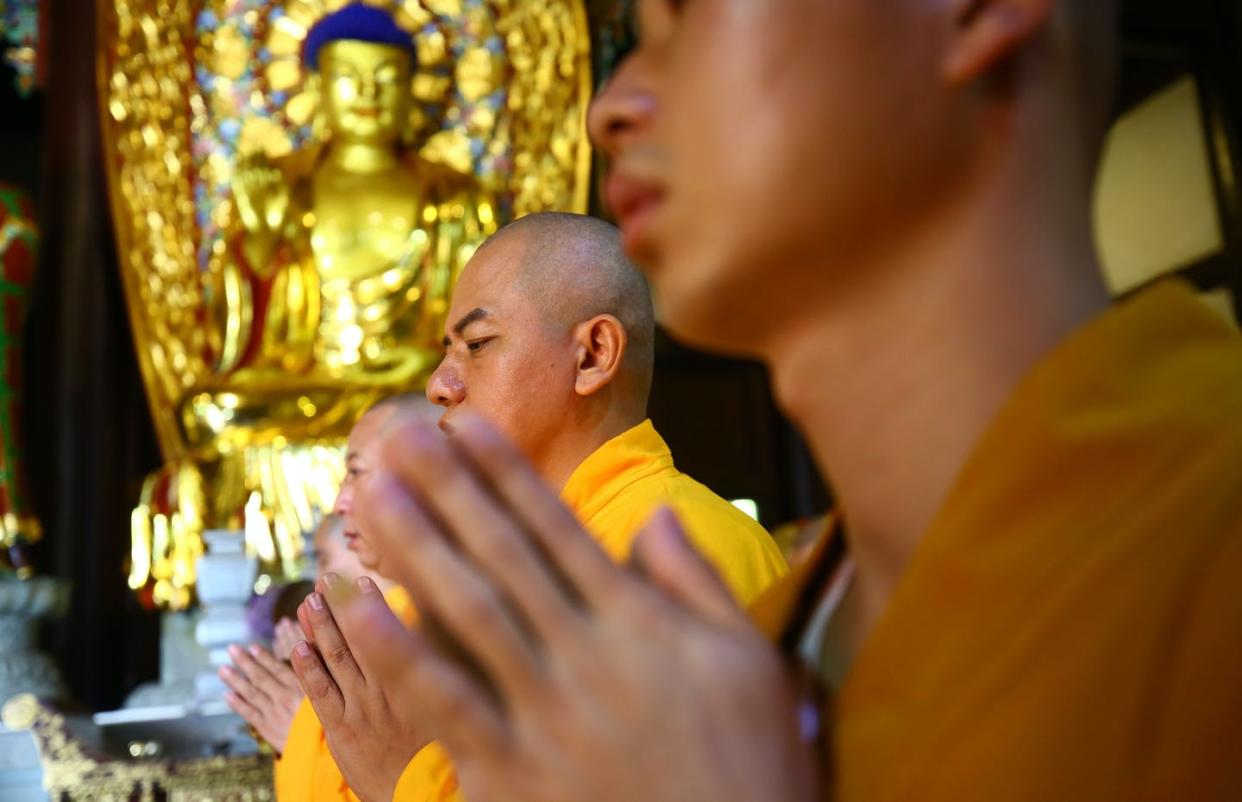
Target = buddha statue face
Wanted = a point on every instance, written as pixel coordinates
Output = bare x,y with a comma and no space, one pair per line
366,91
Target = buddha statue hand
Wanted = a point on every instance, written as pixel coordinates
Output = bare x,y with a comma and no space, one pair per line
263,198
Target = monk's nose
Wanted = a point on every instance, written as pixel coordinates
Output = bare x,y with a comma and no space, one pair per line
622,110
342,504
445,387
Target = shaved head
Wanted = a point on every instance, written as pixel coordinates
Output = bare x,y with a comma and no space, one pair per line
550,336
575,268
370,423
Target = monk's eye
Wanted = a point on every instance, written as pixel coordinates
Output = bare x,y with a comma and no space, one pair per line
386,75
474,346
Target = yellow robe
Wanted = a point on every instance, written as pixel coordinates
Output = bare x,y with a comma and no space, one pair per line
1070,627
306,771
614,492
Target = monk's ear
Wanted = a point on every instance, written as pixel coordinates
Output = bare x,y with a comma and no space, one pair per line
601,348
987,33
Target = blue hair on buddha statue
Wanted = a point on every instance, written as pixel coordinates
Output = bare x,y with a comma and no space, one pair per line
356,21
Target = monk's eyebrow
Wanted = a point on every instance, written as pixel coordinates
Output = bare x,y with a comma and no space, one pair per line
473,316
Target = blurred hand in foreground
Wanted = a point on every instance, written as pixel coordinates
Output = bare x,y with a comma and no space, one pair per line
599,683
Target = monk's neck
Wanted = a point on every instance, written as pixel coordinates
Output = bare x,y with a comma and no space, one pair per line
895,383
586,434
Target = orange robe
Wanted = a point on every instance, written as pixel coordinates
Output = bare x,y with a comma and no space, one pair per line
614,492
1070,627
306,771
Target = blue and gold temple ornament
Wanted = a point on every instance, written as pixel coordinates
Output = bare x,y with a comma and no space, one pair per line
19,41
268,311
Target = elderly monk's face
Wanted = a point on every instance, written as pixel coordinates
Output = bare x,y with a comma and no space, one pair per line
754,141
360,456
503,358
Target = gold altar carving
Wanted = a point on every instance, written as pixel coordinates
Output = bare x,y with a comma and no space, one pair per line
293,199
74,773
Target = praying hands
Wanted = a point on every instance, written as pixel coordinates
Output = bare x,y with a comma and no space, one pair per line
604,685
263,691
369,739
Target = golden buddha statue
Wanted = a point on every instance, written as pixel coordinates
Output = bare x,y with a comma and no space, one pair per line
294,194
343,255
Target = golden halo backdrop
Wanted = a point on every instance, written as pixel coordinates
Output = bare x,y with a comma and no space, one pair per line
191,89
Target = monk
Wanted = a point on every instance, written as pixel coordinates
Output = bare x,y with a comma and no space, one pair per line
263,689
1031,589
359,457
551,338
306,770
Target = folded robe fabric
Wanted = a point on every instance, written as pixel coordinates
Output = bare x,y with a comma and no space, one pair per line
1070,627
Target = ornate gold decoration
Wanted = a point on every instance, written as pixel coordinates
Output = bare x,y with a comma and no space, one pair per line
267,309
73,773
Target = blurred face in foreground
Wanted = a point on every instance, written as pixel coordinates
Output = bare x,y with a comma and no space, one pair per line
758,148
